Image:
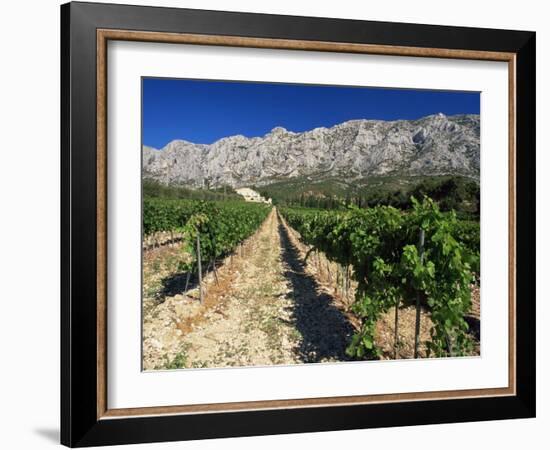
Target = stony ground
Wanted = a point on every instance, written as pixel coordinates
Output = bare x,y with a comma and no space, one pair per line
264,310
269,305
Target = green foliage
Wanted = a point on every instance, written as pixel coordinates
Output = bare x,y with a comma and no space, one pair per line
468,233
443,278
221,227
381,245
179,361
450,193
155,189
163,214
167,214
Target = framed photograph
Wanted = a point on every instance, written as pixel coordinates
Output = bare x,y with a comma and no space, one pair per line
277,224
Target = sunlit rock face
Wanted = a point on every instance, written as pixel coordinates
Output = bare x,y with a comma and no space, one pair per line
433,145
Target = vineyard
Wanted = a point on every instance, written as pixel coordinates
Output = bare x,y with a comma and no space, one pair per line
210,230
165,215
425,255
388,259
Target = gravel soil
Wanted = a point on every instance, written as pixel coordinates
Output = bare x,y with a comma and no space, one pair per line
272,302
264,309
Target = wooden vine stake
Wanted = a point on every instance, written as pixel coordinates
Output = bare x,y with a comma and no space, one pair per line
396,325
215,271
347,282
187,279
417,324
328,271
199,263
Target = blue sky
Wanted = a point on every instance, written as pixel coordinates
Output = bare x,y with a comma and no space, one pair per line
205,111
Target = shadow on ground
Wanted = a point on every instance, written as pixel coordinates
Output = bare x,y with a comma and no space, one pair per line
176,283
475,328
325,330
181,282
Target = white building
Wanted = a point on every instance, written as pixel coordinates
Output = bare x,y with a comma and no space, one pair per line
250,195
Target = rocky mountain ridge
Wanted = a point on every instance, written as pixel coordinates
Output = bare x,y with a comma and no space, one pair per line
432,145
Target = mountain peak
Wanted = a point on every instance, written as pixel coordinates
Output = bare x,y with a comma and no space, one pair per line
358,149
278,130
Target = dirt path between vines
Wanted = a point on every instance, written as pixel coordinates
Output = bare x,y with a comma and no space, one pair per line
267,309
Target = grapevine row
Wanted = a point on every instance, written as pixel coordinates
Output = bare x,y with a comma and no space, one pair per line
392,266
210,229
221,226
167,214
